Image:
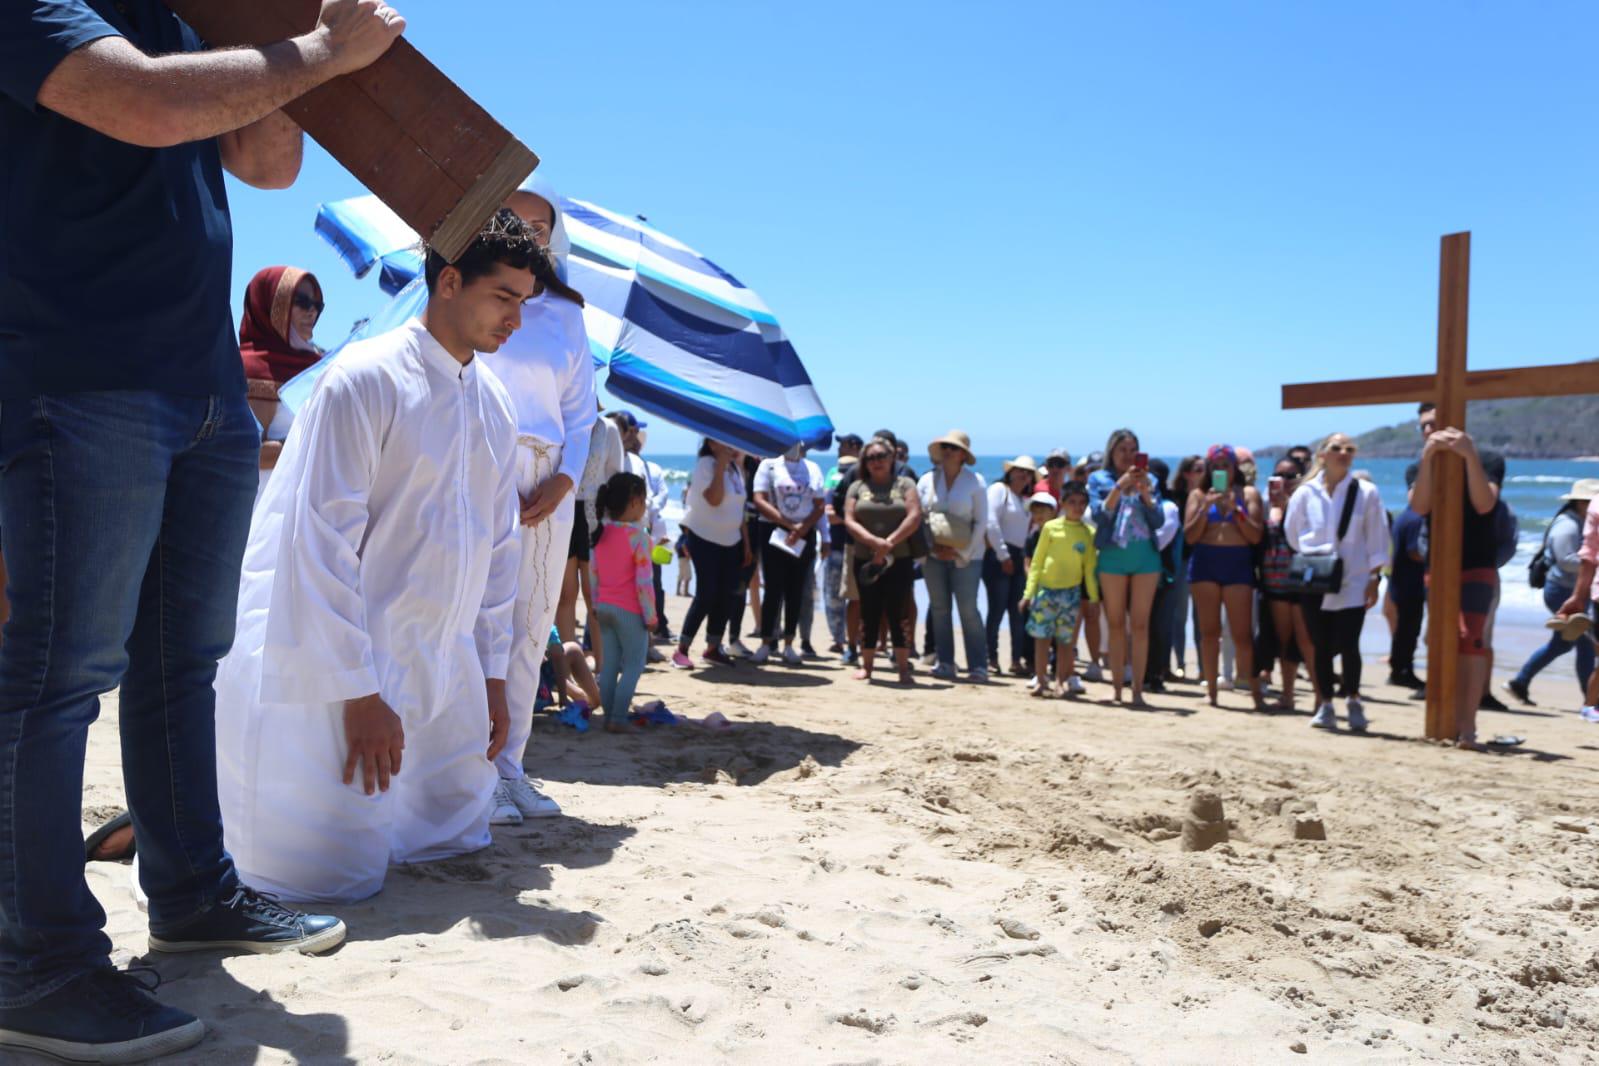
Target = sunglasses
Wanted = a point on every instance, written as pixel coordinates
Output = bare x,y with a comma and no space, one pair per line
306,303
880,457
1342,449
1055,464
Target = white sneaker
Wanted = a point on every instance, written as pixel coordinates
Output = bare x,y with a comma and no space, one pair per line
1074,685
792,657
762,653
1093,673
1226,685
505,811
737,648
1357,715
1326,718
528,800
1032,683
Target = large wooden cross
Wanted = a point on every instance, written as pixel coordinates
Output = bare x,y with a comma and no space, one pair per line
405,130
1449,389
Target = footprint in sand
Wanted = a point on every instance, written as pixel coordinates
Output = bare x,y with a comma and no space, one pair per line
872,1023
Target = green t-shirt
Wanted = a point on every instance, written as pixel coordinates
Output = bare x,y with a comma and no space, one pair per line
881,510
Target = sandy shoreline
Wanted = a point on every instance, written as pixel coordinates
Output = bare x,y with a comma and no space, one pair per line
959,874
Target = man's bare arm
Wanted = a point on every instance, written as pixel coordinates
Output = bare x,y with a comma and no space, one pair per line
265,154
155,102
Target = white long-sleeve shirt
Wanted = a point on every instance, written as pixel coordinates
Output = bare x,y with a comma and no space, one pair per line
548,371
606,456
655,493
1171,523
1008,521
660,494
1311,528
965,499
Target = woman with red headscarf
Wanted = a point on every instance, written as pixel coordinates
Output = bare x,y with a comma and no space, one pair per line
281,308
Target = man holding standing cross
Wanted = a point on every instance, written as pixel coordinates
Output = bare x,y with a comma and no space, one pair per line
127,471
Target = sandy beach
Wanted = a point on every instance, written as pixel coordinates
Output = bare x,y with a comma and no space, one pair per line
862,873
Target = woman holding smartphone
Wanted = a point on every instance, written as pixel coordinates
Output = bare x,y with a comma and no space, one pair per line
1127,518
1223,523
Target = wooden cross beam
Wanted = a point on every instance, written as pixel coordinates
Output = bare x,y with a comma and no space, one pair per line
405,130
1449,389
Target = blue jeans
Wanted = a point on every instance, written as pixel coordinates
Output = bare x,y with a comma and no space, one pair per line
946,581
626,645
1553,596
833,595
1177,607
125,516
1004,602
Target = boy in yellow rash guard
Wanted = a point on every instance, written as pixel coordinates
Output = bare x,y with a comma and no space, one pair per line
1065,564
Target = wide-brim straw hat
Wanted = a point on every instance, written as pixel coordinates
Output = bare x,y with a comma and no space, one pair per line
955,438
1585,489
1021,462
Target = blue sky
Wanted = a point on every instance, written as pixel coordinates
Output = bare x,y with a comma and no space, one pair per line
1038,222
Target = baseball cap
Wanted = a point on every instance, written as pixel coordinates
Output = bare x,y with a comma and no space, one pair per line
627,419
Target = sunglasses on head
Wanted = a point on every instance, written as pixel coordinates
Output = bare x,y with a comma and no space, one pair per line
307,303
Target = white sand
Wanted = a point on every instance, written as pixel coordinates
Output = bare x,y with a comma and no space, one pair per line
832,881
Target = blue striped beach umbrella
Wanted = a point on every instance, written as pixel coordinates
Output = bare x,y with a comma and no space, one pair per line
682,338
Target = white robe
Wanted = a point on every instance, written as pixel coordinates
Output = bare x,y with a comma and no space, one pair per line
382,558
549,374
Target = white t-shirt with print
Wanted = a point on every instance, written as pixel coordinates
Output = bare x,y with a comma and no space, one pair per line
792,486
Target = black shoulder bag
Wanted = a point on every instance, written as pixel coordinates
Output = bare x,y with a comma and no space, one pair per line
1323,575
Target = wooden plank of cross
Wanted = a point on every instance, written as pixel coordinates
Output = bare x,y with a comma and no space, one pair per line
405,130
1450,388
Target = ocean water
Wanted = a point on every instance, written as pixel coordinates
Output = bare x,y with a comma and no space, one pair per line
1532,488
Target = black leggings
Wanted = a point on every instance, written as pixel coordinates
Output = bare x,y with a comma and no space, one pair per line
783,580
1335,633
715,575
884,600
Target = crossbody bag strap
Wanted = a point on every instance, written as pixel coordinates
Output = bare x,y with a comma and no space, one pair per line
1349,507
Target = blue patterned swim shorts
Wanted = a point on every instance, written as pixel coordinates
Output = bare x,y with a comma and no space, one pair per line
1054,614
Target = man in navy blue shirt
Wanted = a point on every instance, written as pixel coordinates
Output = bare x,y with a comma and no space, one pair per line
127,472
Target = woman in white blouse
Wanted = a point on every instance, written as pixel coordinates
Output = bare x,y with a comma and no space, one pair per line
1004,565
955,500
1336,619
718,542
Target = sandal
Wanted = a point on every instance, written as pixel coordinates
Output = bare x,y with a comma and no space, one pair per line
107,844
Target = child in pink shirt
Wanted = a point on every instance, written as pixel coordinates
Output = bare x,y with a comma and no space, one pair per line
624,599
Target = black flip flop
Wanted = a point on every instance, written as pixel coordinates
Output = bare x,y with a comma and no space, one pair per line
91,846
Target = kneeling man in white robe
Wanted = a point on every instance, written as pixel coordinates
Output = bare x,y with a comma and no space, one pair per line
364,700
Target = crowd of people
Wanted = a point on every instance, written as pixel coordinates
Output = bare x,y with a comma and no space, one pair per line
1105,562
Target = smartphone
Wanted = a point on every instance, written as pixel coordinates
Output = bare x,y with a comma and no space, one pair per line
1141,461
1275,487
1218,481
